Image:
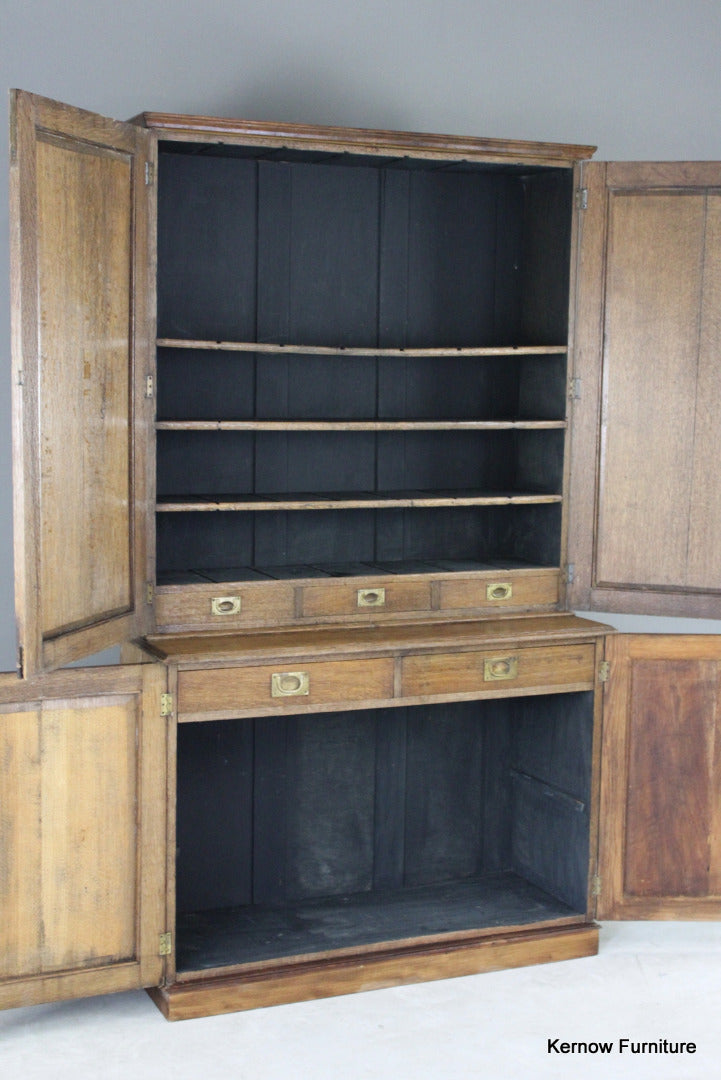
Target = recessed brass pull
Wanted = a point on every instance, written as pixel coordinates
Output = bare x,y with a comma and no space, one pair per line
371,597
225,605
499,590
289,683
501,667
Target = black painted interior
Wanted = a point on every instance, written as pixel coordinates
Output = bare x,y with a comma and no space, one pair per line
297,833
336,250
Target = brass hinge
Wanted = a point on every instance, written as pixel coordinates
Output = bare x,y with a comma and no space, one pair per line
149,592
582,198
165,945
604,671
595,885
149,386
166,704
149,173
574,388
569,574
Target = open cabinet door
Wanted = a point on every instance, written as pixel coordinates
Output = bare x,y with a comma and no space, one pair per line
660,815
82,329
645,499
83,767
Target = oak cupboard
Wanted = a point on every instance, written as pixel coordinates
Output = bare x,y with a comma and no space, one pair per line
328,428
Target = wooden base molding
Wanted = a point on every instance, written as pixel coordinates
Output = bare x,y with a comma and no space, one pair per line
329,978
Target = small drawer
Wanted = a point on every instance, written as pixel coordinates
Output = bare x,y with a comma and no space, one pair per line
340,598
288,685
543,669
224,606
507,589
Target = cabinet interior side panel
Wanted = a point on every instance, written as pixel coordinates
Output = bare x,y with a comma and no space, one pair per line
546,257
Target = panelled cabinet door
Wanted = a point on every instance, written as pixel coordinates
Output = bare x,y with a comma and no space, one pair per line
82,303
645,498
660,815
83,767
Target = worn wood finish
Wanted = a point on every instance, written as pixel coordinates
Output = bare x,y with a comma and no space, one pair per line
349,502
361,140
397,666
302,982
84,818
359,425
659,851
82,331
466,672
649,270
397,596
262,347
273,604
221,691
214,650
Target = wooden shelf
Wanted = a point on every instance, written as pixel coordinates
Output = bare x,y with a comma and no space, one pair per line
355,501
329,350
359,425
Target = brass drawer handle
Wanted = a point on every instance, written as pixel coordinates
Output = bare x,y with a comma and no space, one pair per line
371,597
225,605
502,667
289,683
499,590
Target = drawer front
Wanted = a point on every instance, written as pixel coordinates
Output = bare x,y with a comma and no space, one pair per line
381,597
291,686
507,589
501,671
224,606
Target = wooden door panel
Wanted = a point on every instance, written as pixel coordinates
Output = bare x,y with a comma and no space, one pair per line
660,820
645,505
82,336
651,339
84,760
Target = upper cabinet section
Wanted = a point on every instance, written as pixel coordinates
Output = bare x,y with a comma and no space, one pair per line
362,344
645,532
83,313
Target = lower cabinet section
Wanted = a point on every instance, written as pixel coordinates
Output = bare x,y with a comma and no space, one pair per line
331,852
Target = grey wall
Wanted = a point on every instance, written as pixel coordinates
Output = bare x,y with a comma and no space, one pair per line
641,78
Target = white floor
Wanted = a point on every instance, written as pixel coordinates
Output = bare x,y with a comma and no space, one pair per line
651,982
